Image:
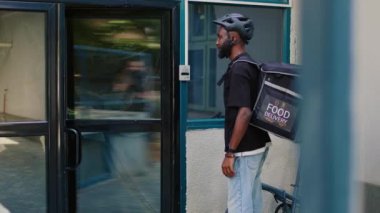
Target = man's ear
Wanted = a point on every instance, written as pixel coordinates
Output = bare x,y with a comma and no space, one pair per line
234,37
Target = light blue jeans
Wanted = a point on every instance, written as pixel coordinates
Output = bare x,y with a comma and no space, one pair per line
244,189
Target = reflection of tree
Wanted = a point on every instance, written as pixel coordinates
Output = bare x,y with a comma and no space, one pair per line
102,49
131,34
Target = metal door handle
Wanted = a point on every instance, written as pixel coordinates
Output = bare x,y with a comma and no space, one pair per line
78,148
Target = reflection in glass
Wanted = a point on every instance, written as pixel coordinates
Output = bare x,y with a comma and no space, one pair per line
22,66
212,77
22,174
198,18
116,68
120,172
196,58
212,26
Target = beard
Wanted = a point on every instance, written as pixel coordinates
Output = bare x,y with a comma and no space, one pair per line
225,49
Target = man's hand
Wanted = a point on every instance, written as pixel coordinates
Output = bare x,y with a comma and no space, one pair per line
228,167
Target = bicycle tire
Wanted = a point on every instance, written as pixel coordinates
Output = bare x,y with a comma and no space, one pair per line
283,209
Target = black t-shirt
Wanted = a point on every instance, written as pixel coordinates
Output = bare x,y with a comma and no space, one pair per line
240,90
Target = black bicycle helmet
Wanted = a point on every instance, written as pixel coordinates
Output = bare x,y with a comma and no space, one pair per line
237,22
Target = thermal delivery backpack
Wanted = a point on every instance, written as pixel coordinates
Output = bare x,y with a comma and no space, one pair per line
276,107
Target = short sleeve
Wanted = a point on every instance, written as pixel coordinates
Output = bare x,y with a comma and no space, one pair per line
240,88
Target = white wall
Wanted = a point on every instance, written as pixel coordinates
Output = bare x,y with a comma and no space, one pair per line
365,81
365,96
295,33
206,185
22,67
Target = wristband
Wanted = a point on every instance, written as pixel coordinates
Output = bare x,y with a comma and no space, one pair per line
229,155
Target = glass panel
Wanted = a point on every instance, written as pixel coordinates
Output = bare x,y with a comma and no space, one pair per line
198,18
266,45
196,58
212,26
22,66
22,174
267,1
120,172
212,77
116,68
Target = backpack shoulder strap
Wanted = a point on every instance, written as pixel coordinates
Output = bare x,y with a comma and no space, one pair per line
246,59
260,74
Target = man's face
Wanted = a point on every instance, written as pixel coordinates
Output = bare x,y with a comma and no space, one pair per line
223,43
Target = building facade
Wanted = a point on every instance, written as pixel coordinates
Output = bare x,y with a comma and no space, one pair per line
96,116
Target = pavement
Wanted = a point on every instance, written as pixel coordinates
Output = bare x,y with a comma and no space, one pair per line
23,182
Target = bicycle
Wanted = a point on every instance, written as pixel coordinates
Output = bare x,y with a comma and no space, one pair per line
288,202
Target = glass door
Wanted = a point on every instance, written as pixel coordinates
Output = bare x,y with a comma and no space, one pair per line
119,110
28,145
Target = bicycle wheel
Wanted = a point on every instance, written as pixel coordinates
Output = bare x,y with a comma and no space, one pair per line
283,208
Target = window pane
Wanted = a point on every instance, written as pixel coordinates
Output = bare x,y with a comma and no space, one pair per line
212,26
198,18
196,58
267,1
120,172
22,66
22,174
266,45
116,68
212,77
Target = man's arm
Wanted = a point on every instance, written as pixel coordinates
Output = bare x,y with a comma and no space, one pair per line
241,125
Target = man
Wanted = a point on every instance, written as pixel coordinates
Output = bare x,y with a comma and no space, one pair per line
245,145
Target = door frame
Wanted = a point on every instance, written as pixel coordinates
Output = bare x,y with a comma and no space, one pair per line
56,67
48,128
170,132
